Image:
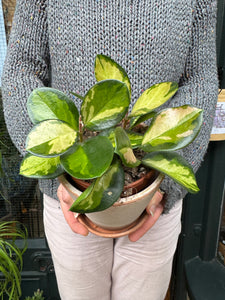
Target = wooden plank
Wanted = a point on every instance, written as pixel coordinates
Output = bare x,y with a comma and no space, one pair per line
219,118
8,11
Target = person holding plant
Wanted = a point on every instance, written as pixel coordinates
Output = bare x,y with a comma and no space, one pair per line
53,43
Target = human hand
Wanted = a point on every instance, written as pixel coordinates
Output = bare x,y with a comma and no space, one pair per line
66,201
154,209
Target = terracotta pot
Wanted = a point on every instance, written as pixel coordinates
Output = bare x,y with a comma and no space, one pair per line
123,216
129,189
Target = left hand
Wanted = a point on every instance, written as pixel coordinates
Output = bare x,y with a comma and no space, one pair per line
66,201
154,209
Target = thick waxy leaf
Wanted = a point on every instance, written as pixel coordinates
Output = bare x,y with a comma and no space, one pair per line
110,133
48,103
173,165
124,149
107,68
103,192
41,167
105,104
173,128
138,120
90,159
77,95
134,137
50,138
153,97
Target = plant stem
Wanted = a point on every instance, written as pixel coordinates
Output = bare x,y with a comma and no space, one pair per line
80,130
125,121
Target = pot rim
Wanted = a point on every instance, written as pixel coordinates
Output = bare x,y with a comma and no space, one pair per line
137,196
130,199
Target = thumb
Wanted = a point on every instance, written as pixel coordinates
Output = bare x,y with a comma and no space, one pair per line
155,202
71,218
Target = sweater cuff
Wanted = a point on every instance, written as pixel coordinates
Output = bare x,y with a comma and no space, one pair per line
172,192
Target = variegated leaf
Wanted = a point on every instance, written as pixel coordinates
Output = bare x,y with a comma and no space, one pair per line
105,104
103,192
174,166
138,120
48,103
41,167
77,95
89,159
110,133
107,68
50,138
134,137
173,128
124,149
153,97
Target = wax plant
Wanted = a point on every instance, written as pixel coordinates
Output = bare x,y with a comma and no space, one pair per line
59,143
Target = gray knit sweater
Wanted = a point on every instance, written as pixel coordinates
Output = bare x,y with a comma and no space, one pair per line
54,42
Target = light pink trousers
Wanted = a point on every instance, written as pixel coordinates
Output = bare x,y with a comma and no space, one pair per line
95,268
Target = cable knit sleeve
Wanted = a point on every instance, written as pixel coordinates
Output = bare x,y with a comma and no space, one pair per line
26,66
198,87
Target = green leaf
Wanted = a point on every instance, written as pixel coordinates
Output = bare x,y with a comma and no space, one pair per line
50,138
110,134
124,149
173,128
174,166
107,68
138,120
105,191
41,167
153,97
105,104
48,103
90,159
134,137
77,95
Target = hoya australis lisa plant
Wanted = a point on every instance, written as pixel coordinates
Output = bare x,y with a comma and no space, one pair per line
57,142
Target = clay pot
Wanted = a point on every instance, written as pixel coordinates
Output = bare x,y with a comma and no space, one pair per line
123,216
129,189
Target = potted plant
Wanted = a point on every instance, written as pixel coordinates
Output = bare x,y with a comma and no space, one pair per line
2,144
11,260
100,141
38,295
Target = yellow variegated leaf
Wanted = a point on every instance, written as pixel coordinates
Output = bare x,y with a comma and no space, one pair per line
124,149
153,97
173,128
50,138
41,167
105,104
103,192
107,68
46,103
89,159
174,166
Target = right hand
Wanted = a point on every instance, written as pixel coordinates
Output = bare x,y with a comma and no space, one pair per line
154,210
66,201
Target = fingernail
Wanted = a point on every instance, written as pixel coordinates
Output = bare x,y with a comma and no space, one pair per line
161,192
152,210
